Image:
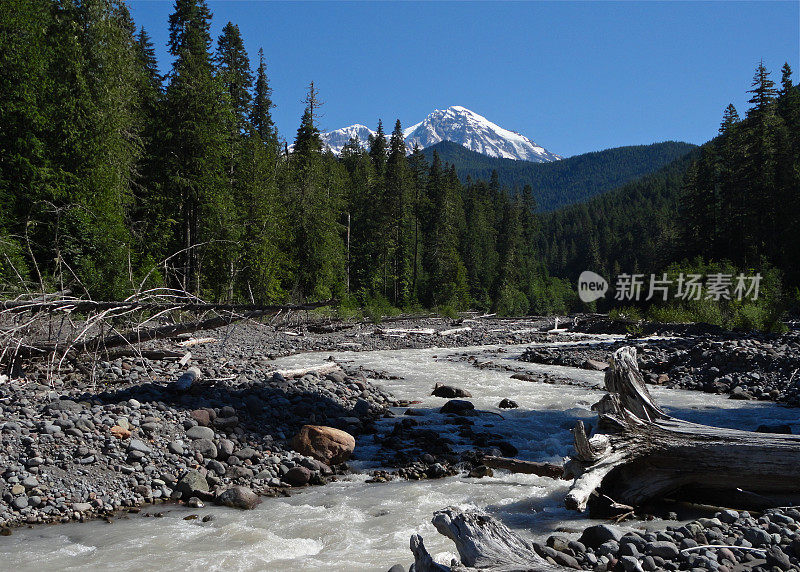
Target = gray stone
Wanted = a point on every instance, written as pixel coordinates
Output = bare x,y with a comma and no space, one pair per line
631,564
19,503
239,497
664,549
457,406
191,482
139,446
297,476
757,536
596,535
205,447
200,432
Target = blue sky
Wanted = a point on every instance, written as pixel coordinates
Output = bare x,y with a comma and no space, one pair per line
573,76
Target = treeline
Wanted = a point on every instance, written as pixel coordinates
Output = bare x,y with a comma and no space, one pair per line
737,198
114,178
568,181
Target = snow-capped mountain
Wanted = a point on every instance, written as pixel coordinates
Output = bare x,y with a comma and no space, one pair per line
459,125
475,132
337,139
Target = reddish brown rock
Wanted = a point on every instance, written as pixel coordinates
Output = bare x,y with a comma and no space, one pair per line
326,444
202,416
120,432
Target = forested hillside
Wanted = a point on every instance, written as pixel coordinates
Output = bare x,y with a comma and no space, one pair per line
569,181
114,179
732,205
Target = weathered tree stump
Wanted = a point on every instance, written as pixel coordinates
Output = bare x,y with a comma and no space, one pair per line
483,543
644,454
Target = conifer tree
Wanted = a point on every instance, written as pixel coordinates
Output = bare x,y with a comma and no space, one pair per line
261,114
315,201
196,143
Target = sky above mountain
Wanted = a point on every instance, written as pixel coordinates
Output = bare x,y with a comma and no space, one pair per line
574,77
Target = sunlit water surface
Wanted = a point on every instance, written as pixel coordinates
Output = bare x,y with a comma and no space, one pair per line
352,525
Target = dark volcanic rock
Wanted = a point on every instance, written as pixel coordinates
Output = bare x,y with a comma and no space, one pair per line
449,392
457,406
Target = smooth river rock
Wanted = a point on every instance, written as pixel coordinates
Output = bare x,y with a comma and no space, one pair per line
326,444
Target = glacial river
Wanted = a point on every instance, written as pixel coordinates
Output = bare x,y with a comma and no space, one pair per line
351,525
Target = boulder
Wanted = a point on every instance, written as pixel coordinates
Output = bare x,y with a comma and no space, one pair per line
200,432
596,535
205,447
594,365
508,404
326,444
297,476
239,497
191,483
202,416
449,392
457,406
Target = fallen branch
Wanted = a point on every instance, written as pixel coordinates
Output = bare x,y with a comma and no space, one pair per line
414,331
140,335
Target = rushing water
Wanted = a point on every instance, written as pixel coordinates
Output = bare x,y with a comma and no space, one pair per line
352,525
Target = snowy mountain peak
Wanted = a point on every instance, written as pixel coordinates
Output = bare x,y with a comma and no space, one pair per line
459,125
465,127
337,139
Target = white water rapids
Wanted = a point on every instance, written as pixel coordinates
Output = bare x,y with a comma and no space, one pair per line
353,526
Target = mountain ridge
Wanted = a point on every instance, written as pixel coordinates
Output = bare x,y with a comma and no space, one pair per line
567,181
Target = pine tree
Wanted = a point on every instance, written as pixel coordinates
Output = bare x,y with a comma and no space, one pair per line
760,164
377,151
418,169
233,67
314,199
401,207
447,276
261,114
196,141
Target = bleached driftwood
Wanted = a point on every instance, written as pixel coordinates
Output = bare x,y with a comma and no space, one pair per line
642,453
196,341
483,543
301,371
412,331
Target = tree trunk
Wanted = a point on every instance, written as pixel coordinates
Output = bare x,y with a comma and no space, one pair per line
644,454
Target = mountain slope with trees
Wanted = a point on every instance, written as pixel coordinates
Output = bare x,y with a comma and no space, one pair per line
569,181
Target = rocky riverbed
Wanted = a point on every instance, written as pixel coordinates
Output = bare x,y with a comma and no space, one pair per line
76,446
748,367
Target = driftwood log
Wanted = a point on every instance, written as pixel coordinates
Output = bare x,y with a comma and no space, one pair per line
643,454
229,315
524,467
483,543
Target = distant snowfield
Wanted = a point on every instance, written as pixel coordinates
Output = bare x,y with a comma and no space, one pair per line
459,125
